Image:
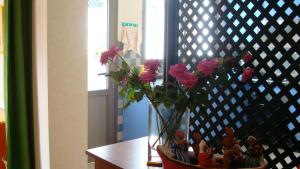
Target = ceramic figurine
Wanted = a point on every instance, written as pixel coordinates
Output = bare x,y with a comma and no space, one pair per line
203,152
200,147
229,140
181,142
203,147
180,148
254,153
197,139
206,158
233,156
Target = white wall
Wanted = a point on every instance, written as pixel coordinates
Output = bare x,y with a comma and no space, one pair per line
61,83
40,75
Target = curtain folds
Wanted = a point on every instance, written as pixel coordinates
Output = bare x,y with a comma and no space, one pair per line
18,83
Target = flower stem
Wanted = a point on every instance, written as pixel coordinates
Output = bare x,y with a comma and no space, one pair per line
156,109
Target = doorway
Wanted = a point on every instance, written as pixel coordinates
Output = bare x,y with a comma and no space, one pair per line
97,85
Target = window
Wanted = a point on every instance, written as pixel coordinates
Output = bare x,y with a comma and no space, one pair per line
154,29
97,43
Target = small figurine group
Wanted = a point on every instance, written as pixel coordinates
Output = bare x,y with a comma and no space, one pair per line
233,155
202,153
254,153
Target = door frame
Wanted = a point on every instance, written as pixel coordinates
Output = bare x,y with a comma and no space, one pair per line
112,88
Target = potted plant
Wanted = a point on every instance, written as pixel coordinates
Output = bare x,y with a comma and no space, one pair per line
188,91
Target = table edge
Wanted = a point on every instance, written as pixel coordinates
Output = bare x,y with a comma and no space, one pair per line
96,158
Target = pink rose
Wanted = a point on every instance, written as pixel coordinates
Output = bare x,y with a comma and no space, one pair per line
113,50
187,79
183,76
104,57
247,74
148,76
207,67
110,54
152,65
247,57
177,69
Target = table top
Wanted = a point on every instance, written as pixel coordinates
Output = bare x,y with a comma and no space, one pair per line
129,154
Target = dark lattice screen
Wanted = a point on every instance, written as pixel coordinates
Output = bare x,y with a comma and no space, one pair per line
269,106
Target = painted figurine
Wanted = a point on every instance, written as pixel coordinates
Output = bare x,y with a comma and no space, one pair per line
197,139
254,153
233,156
206,158
203,152
180,148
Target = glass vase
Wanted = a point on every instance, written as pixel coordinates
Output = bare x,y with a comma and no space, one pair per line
163,124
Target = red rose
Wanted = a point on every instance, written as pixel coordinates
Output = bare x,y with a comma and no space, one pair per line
207,67
187,79
152,65
110,54
148,76
247,57
104,58
176,70
247,74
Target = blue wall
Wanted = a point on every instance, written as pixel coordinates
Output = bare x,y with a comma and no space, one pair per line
135,120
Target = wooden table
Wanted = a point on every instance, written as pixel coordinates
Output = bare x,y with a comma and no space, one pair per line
128,155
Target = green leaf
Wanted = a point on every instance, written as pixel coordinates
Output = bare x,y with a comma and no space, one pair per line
201,98
223,77
135,81
147,86
130,95
118,75
168,102
123,92
139,96
124,65
192,106
135,71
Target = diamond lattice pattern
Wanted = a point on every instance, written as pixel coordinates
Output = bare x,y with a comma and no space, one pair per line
268,106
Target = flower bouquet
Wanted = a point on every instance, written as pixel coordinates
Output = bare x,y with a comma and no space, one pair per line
186,91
